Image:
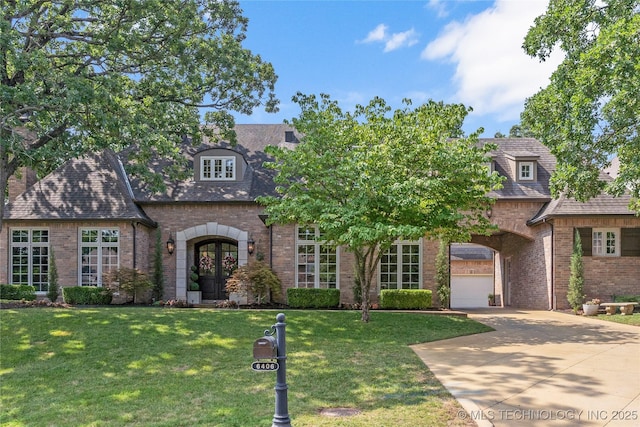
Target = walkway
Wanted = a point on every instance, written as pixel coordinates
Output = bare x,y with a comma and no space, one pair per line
541,368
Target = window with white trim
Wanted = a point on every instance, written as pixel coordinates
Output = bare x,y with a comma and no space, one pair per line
217,168
99,254
316,262
400,266
605,242
526,171
30,258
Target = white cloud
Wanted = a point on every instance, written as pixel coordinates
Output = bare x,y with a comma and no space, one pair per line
439,7
398,40
391,41
493,73
377,34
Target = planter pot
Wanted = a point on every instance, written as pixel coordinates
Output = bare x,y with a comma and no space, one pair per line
590,309
194,297
238,298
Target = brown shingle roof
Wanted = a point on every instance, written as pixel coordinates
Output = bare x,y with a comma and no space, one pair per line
257,181
522,147
90,187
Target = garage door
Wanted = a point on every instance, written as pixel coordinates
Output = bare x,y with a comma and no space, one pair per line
470,291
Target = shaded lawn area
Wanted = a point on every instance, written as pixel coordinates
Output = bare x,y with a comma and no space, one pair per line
117,366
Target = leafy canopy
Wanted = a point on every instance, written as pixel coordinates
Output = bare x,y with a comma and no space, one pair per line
79,76
591,109
373,176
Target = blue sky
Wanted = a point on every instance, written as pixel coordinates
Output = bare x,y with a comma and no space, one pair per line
456,51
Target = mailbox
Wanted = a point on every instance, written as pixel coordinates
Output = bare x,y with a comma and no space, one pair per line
265,348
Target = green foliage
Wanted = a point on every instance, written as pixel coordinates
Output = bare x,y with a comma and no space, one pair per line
589,111
313,298
258,279
158,268
53,290
131,281
193,279
374,176
442,274
626,298
86,295
405,299
17,292
575,293
82,76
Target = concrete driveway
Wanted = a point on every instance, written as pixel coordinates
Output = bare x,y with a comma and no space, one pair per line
541,368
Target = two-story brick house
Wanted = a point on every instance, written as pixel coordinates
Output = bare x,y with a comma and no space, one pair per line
96,217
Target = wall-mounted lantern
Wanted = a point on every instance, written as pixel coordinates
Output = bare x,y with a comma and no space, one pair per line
171,245
251,245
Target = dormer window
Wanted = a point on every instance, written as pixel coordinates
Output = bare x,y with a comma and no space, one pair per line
523,166
526,171
217,168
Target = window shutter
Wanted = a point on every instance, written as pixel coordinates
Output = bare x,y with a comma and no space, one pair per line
586,240
630,243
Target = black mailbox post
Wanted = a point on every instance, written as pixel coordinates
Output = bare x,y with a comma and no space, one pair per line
272,348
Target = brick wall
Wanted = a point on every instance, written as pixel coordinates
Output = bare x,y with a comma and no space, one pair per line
63,238
604,276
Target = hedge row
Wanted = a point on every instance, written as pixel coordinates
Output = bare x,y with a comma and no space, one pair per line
626,298
313,298
405,299
17,292
86,295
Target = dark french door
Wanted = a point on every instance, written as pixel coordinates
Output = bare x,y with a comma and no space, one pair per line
216,260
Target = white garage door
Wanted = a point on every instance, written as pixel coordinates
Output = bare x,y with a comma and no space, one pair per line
470,291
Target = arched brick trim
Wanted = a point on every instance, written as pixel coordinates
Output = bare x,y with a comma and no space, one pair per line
208,229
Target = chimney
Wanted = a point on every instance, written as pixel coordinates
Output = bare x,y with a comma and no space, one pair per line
20,182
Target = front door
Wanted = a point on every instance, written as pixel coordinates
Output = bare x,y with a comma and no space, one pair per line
216,260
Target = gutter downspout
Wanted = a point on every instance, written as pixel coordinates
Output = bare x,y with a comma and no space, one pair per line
133,224
553,278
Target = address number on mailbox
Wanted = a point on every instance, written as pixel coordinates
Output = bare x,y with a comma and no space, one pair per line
265,366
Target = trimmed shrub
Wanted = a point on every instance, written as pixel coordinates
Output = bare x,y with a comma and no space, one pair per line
405,299
257,279
86,295
626,298
18,292
313,298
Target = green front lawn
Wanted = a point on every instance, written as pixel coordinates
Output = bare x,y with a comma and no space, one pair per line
184,367
619,318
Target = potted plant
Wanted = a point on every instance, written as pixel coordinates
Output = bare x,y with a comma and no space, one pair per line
256,281
492,299
590,308
194,295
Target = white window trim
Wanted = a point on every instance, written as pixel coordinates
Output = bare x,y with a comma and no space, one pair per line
399,272
100,245
318,245
604,231
29,244
223,160
532,171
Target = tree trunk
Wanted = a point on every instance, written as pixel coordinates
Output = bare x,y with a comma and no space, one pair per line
5,173
366,266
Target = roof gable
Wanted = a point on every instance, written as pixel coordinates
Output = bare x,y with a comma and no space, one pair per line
90,187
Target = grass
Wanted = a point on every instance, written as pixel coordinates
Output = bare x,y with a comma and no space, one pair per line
131,366
619,318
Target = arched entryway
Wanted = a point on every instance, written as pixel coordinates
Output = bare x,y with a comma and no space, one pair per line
216,259
187,239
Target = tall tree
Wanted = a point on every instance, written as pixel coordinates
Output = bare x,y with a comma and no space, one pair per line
591,109
373,176
79,76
